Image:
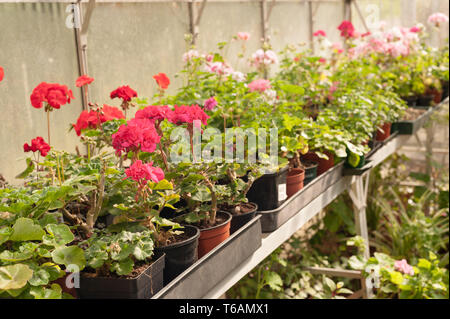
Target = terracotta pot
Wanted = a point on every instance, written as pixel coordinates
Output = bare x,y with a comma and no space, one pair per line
213,236
294,181
381,136
323,164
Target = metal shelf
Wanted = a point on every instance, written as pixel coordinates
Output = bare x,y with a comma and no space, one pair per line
273,240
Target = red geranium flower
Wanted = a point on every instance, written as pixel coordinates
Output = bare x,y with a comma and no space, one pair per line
142,173
137,135
37,144
2,73
188,114
53,94
347,29
162,80
154,112
83,80
319,33
124,92
93,119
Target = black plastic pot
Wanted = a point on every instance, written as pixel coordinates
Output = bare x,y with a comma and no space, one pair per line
239,220
310,173
197,281
425,100
181,255
269,191
412,126
144,286
445,86
410,100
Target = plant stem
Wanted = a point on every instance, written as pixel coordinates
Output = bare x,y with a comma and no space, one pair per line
48,126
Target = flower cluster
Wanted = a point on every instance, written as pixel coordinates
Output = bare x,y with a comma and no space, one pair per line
187,114
404,267
162,80
259,85
53,94
142,173
319,33
137,135
219,68
93,118
210,103
191,54
124,92
261,57
154,112
37,144
347,30
2,74
437,19
243,36
83,80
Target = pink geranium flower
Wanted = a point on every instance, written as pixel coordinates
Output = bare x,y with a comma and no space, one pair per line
210,103
437,18
347,29
402,266
259,85
243,35
188,114
137,135
143,173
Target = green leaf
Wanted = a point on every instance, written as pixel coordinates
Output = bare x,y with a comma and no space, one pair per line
330,283
423,263
28,170
25,229
273,280
5,232
163,185
123,267
58,235
69,256
396,277
54,292
14,276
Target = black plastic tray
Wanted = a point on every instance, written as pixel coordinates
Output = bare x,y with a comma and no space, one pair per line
411,127
196,281
357,171
272,219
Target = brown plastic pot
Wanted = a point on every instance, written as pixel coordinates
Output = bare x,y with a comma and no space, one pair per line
323,164
381,136
213,236
294,181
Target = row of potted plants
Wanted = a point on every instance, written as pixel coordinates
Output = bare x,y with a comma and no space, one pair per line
154,190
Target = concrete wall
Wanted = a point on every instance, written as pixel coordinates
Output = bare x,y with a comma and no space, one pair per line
127,44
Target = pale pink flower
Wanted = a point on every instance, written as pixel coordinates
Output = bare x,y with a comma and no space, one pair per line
219,68
259,85
437,18
238,76
188,56
261,57
404,267
243,35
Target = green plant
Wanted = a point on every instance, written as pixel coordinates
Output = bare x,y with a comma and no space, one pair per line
117,253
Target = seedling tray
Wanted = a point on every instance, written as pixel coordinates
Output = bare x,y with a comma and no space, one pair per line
412,126
208,271
272,219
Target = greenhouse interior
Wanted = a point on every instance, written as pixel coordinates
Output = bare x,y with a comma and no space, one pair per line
224,149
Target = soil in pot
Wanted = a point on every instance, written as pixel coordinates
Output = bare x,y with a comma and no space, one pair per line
211,236
242,214
310,168
145,280
180,253
382,135
425,100
294,181
323,164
